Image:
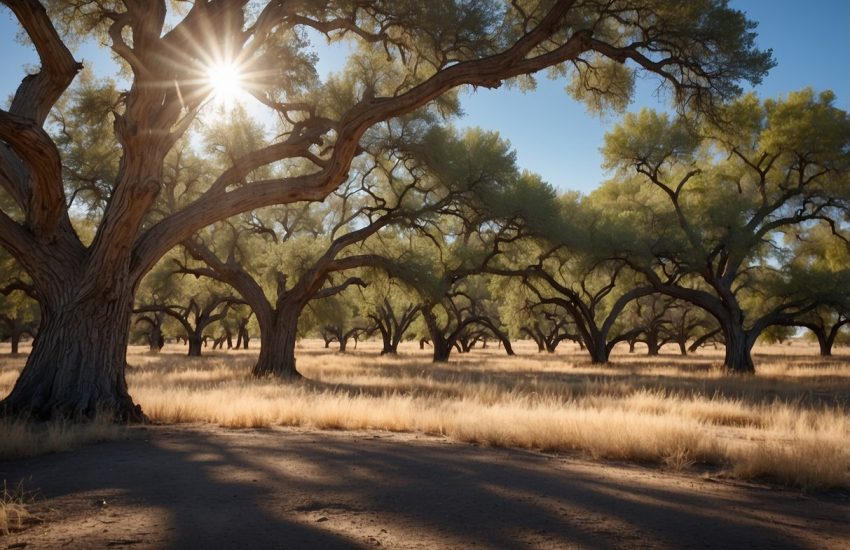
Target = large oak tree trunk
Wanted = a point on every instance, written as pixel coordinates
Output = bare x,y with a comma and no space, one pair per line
195,343
442,350
442,345
597,347
824,341
76,367
738,358
277,344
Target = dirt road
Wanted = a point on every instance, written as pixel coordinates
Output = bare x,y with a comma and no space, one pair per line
207,487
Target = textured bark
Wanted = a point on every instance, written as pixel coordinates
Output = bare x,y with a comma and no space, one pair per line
76,368
277,344
738,356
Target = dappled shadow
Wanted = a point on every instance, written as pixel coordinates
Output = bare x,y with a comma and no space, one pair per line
281,488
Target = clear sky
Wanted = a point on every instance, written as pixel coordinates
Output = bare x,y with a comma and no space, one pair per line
552,134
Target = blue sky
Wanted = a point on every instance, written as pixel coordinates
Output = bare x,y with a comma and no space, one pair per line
551,133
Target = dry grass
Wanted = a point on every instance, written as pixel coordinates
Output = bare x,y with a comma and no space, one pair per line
13,511
21,439
789,423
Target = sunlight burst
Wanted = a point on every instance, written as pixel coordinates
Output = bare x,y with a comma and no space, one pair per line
225,81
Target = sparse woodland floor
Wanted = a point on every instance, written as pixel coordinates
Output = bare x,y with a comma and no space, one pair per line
681,442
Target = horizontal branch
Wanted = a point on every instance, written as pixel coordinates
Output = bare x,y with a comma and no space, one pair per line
315,187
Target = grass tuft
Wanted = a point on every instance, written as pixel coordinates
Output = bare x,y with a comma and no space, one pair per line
13,511
809,463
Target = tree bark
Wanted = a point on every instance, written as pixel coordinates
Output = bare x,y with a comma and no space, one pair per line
824,343
195,344
277,344
76,368
597,347
442,350
738,357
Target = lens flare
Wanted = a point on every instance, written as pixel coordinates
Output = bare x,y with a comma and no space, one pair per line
225,81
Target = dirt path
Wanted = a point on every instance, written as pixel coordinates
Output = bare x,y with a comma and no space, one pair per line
206,487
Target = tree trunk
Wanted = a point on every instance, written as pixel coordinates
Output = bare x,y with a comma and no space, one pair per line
683,347
15,341
343,343
277,344
195,343
738,358
387,341
155,339
76,367
824,342
442,350
598,350
652,344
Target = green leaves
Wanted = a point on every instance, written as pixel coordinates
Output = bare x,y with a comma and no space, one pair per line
649,140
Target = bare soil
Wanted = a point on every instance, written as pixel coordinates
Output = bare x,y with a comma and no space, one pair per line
200,486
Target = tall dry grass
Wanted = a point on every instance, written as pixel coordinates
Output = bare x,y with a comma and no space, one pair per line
13,510
19,439
789,423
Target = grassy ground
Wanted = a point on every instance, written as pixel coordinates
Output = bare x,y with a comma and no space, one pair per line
789,423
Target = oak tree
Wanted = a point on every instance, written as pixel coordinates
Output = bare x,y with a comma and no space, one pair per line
404,55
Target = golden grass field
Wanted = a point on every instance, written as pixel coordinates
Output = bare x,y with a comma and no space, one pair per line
788,424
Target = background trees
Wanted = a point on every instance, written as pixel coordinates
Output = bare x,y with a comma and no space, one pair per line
19,312
711,201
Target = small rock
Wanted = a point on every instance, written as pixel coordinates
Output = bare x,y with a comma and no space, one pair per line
321,519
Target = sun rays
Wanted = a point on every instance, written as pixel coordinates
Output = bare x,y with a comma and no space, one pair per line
226,83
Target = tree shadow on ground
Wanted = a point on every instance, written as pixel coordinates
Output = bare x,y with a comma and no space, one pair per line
212,488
